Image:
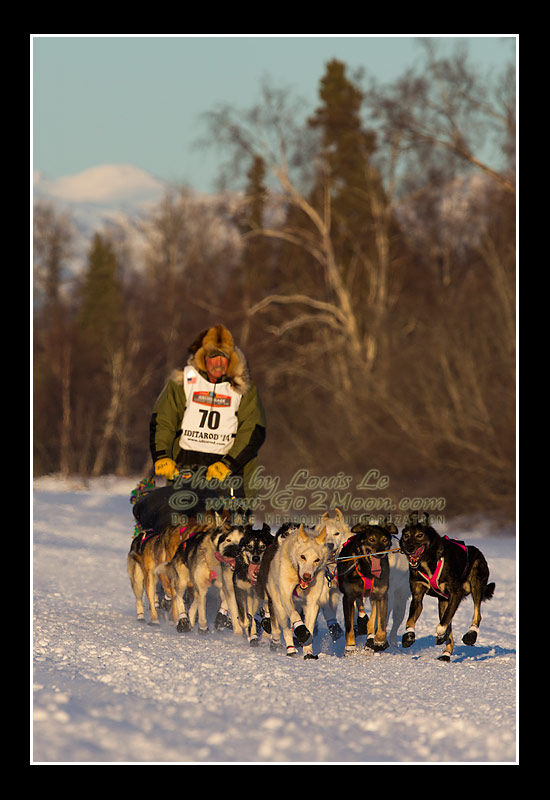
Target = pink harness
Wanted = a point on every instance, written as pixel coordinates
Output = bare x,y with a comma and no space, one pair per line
434,579
376,570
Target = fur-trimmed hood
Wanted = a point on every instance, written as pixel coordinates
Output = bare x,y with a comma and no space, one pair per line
212,340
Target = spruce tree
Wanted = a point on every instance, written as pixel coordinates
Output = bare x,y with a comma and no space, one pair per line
362,227
254,267
101,310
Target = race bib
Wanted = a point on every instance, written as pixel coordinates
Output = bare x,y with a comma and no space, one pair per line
210,421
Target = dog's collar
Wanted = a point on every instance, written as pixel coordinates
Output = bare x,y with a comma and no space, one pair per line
331,575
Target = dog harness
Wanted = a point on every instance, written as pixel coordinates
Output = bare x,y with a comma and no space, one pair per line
433,580
376,570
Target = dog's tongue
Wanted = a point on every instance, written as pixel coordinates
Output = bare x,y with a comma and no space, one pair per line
417,553
253,572
375,567
225,559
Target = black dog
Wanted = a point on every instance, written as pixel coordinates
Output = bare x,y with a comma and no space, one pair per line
250,553
361,576
449,570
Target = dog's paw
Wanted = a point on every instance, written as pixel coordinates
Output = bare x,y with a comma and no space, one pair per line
335,631
470,637
291,651
183,625
219,622
408,638
361,627
166,604
442,634
274,646
303,636
310,657
444,657
378,647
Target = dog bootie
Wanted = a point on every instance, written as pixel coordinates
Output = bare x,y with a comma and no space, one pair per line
302,634
335,630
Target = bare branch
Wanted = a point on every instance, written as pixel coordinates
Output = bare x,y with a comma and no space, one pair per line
329,309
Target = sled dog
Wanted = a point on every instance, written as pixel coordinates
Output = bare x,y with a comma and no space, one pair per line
337,533
250,553
399,590
295,576
449,570
147,551
362,574
198,564
285,530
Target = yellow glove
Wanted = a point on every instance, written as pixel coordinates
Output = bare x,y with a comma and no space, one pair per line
218,471
166,467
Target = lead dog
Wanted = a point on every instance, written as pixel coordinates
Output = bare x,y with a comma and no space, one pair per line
250,553
362,574
449,570
295,576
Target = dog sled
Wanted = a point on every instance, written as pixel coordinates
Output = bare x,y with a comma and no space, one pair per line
156,508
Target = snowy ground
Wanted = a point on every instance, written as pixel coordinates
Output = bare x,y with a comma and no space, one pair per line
109,690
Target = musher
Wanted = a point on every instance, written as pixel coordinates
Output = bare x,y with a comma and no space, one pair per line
209,415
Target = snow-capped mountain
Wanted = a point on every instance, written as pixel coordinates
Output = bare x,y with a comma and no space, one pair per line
122,199
99,196
107,186
96,199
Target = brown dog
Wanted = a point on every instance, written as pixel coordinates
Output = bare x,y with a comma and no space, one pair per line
362,574
147,551
449,570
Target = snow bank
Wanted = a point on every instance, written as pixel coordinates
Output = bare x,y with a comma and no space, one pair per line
108,690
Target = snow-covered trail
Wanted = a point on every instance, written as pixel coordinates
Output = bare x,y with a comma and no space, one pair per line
108,690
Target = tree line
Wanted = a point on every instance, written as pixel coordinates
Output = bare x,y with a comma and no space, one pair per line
365,262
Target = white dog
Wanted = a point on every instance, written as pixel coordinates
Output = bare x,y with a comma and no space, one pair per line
337,534
399,592
295,576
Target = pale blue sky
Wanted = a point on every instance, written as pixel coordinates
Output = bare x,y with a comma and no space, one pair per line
138,99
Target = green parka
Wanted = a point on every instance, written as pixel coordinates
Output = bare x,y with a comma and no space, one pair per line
166,419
